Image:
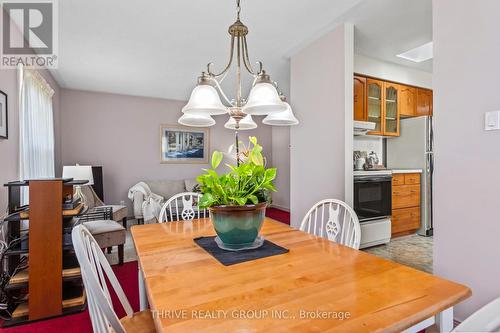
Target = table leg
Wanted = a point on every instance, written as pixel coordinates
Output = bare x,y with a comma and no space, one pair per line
444,321
143,300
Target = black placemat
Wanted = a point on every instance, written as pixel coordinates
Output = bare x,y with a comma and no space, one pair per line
228,258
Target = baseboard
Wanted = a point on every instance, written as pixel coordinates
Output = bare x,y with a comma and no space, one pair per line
280,208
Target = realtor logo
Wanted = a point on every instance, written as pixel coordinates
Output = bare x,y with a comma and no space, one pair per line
29,33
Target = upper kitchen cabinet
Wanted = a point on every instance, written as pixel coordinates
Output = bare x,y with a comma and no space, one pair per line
360,110
384,103
408,99
375,104
391,109
424,102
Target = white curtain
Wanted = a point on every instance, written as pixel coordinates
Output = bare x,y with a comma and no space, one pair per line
36,127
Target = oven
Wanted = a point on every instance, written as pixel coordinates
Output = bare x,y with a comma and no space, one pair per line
373,195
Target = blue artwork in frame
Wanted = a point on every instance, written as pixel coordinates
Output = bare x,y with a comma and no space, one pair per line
184,145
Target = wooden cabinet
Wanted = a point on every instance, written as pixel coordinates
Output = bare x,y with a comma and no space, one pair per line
384,103
408,98
391,109
383,107
405,204
405,196
405,219
424,102
375,104
360,98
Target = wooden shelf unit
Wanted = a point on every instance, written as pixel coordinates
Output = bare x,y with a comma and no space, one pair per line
52,283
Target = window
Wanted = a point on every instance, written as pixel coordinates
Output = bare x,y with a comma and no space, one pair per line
36,127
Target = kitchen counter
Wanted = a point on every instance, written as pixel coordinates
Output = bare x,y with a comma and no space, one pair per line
406,170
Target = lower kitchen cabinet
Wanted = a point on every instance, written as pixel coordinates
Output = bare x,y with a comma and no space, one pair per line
405,220
405,204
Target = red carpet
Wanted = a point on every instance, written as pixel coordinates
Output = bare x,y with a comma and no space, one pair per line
80,323
278,215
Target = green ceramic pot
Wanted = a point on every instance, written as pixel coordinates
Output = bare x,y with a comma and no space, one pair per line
238,225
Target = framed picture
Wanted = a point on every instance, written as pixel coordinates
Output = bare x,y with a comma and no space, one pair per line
4,120
184,145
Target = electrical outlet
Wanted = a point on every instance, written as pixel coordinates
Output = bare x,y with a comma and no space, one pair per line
492,121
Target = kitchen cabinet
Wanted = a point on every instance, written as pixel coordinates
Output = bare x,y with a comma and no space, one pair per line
408,98
360,98
385,103
424,102
405,204
391,109
375,104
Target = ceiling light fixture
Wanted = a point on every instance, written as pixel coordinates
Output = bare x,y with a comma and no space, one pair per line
418,54
264,97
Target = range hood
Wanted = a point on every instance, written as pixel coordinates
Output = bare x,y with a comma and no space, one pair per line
363,127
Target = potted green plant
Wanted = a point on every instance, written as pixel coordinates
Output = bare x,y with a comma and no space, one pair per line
237,199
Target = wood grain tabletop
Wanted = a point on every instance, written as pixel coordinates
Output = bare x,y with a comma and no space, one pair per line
319,286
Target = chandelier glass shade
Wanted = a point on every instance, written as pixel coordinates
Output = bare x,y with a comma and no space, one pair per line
263,100
264,97
283,118
204,100
246,123
196,120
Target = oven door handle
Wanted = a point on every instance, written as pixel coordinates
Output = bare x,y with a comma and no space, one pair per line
370,179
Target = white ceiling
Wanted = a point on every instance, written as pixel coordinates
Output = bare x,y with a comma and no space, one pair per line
384,28
158,48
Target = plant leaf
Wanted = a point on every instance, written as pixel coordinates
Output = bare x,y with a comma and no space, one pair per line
217,157
206,200
253,199
270,174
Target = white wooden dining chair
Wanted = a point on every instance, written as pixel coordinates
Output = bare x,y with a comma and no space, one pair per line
334,220
486,319
182,206
95,269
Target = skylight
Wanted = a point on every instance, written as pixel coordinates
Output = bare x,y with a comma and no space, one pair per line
418,54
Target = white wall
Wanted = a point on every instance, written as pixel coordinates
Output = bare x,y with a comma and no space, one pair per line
467,178
391,72
320,97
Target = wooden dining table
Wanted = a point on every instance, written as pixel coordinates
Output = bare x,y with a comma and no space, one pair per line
318,286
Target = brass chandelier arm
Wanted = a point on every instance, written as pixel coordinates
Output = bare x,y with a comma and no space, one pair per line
228,66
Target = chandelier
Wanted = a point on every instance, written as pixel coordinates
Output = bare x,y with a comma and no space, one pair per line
264,97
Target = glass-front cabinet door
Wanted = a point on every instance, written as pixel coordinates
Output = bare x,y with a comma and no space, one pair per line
375,97
391,114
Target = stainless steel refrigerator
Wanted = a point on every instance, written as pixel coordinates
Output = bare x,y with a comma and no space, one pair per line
413,149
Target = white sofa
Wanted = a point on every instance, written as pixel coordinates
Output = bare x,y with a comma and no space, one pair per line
165,188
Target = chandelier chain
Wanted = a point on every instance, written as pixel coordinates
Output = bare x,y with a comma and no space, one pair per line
238,8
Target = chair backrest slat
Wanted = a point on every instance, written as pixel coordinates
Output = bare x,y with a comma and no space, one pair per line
171,211
96,271
340,224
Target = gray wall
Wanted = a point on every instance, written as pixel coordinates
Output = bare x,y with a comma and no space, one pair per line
318,145
122,133
281,160
467,178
